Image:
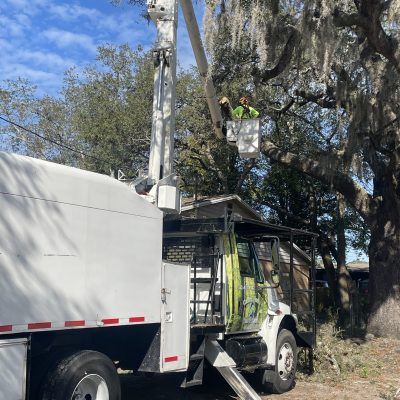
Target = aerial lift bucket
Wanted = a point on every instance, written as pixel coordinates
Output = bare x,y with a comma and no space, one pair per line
245,134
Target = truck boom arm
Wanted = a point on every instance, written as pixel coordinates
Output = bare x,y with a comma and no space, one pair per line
202,65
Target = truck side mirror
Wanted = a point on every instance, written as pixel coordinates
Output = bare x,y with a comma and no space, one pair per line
275,261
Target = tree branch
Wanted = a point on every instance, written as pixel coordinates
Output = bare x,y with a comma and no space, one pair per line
320,99
284,59
284,108
343,20
246,171
354,193
290,215
368,19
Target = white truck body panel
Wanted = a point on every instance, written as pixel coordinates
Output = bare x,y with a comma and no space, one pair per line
13,369
76,249
270,330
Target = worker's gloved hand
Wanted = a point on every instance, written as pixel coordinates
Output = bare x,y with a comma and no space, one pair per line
224,100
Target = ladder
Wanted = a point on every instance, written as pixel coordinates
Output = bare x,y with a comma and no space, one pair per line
206,279
205,309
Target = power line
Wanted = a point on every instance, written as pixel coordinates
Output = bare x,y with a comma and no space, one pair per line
52,140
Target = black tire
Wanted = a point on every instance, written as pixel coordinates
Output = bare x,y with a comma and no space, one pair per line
83,366
282,379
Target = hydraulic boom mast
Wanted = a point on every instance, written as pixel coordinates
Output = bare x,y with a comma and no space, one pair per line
165,16
161,179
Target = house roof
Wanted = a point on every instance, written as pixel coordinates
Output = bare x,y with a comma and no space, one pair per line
191,204
358,265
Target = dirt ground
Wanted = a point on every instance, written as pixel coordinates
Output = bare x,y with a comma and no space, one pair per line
382,382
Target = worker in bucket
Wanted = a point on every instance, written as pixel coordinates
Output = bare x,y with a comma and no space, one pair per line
244,111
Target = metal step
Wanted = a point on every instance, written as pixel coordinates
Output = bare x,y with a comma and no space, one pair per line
193,382
203,280
206,328
196,357
200,301
218,358
194,372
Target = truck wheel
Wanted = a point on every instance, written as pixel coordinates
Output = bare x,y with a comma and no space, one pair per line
86,375
282,378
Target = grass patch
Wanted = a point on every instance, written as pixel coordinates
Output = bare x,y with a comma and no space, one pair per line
392,394
336,358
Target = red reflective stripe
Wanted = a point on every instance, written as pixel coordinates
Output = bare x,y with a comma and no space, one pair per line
110,321
136,319
170,359
39,325
69,324
5,328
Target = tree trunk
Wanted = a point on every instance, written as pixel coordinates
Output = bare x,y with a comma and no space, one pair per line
384,282
343,284
323,247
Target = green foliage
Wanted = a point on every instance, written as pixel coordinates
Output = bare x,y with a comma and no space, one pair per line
112,106
104,113
206,164
336,359
302,73
47,116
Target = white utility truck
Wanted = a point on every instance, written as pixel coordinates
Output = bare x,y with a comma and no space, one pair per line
94,278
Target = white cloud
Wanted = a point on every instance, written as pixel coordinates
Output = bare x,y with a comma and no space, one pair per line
62,39
47,59
46,82
11,27
29,7
14,70
72,12
40,39
23,19
5,46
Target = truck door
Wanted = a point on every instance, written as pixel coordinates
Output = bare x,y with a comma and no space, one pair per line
246,300
175,325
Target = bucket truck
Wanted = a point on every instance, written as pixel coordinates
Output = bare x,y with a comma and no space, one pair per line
94,278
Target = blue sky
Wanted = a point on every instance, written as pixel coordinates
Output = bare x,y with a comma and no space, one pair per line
40,39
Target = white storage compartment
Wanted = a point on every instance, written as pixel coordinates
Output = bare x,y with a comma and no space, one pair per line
248,137
13,369
169,199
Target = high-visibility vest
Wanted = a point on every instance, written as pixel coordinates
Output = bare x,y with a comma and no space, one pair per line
241,113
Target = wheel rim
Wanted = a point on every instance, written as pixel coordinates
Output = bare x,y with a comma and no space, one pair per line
285,361
91,387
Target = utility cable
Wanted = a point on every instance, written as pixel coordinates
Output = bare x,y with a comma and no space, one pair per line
51,140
